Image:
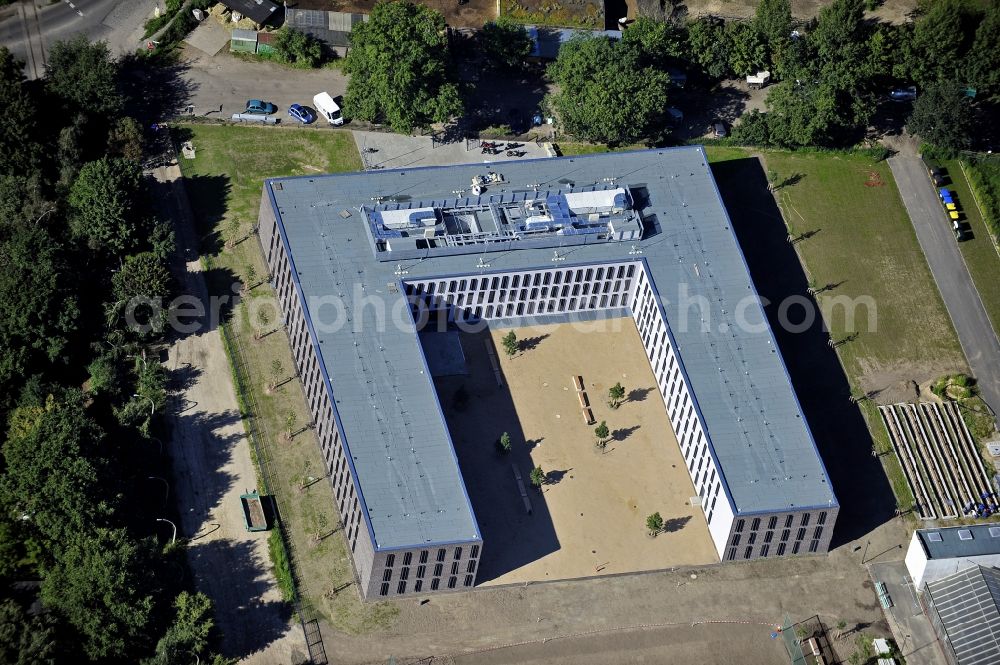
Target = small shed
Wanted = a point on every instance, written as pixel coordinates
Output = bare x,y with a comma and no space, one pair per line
265,43
258,11
243,41
332,28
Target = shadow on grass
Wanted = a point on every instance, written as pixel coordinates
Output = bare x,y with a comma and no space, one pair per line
838,427
515,537
208,194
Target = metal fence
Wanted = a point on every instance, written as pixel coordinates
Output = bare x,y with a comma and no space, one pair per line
308,621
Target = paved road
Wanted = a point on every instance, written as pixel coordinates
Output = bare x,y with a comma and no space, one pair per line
212,467
30,27
978,339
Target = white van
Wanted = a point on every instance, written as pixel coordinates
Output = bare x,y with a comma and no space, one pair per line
327,108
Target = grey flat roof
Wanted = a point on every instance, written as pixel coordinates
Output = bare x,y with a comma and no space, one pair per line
985,540
384,395
967,604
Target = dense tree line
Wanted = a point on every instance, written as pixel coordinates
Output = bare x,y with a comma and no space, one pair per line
79,241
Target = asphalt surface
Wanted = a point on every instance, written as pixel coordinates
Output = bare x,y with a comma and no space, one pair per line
978,339
212,468
29,28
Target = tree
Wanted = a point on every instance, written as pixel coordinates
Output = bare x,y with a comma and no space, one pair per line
800,115
18,124
602,433
537,477
983,59
615,395
752,129
105,375
125,140
187,637
654,523
658,41
70,149
400,68
943,116
56,475
510,344
26,639
297,48
140,290
103,206
38,310
938,42
747,48
773,20
277,373
504,43
84,76
605,93
101,584
708,46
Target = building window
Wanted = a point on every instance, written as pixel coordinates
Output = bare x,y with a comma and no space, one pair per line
795,547
423,557
384,589
768,536
785,534
755,524
438,569
407,558
731,554
818,533
404,573
805,519
401,589
468,580
813,546
440,554
435,583
773,522
390,561
739,526
418,586
764,549
752,539
471,568
452,581
736,540
788,522
474,552
747,552
781,549
454,568
821,519
387,575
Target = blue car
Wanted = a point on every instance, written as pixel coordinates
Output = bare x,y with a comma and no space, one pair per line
301,114
259,107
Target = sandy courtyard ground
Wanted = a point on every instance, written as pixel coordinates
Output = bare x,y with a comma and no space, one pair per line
590,517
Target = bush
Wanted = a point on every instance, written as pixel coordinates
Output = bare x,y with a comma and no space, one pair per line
496,132
984,178
297,48
752,130
282,566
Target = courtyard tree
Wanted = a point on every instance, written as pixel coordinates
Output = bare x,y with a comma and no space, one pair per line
602,433
616,394
400,68
773,20
607,91
537,477
18,123
659,41
125,139
503,443
84,77
654,523
504,43
140,289
277,372
509,342
297,48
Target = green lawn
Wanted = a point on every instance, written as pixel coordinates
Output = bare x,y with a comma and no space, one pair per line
224,183
979,252
865,244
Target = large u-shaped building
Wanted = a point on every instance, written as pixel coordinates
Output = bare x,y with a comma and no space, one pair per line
360,261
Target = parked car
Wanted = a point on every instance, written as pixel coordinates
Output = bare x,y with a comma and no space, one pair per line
938,176
675,115
328,108
719,130
956,226
300,113
903,94
260,107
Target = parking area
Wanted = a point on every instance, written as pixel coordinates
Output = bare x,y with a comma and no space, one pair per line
384,150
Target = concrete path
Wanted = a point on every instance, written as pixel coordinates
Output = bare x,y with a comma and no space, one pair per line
395,151
910,625
978,339
212,467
